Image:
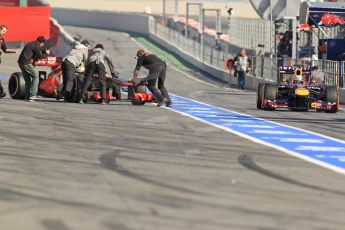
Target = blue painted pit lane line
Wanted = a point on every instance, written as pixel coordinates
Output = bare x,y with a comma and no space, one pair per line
316,148
3,78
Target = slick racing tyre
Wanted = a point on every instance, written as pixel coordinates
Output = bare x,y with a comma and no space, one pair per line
260,95
117,92
331,95
16,86
270,92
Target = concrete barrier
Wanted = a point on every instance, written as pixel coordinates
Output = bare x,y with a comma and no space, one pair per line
102,20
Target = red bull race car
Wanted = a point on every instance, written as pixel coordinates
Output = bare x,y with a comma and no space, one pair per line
50,85
296,91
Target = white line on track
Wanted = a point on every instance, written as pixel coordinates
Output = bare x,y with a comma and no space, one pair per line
256,140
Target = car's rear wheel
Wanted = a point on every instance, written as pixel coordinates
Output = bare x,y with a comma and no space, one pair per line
16,86
332,96
260,95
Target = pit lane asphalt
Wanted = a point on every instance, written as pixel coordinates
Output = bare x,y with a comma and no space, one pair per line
70,166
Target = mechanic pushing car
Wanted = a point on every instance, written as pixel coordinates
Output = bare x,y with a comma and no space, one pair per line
31,52
74,61
96,64
157,70
3,46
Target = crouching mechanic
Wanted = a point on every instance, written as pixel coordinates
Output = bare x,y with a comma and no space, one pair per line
96,64
157,70
73,62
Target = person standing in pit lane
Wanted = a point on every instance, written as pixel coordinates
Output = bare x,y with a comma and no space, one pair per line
3,47
73,62
96,64
31,52
242,65
157,70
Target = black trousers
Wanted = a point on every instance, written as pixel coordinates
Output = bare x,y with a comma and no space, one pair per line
157,72
91,69
68,75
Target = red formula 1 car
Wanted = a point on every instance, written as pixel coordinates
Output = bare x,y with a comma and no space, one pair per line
50,84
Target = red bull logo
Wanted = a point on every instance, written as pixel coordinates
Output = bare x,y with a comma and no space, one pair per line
331,20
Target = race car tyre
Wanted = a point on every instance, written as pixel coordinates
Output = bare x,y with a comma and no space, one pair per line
332,97
117,93
16,86
270,92
331,94
138,102
260,95
333,110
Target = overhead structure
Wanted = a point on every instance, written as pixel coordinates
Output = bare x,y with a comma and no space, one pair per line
322,13
280,8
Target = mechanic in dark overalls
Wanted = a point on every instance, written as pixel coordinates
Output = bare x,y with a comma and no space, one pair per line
96,64
157,70
3,46
31,52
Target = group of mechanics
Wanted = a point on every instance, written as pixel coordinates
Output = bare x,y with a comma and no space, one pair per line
86,60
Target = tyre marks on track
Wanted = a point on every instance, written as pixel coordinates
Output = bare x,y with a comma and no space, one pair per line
109,161
248,162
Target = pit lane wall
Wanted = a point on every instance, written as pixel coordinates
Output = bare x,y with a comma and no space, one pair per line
145,25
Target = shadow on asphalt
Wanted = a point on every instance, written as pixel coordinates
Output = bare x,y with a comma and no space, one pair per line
248,162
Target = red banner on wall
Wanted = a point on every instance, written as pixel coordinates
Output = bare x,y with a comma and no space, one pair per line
25,23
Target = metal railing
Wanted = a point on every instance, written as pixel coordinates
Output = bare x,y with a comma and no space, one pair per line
342,74
265,68
213,55
251,34
331,70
